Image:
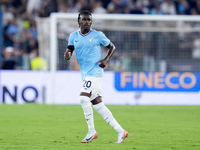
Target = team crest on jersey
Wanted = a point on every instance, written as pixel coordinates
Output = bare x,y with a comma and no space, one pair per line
90,39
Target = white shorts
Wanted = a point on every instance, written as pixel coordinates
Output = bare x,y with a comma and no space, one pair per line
92,85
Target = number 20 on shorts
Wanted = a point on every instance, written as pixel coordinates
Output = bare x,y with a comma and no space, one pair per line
87,84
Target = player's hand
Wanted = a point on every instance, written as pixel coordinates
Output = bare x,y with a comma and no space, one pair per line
103,63
67,55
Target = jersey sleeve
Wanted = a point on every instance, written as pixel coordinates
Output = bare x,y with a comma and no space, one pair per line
103,39
71,39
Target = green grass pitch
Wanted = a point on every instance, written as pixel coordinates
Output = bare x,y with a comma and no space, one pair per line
62,127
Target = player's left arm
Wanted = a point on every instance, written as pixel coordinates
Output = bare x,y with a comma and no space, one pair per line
111,49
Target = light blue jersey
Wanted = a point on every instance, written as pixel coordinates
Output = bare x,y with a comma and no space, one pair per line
88,51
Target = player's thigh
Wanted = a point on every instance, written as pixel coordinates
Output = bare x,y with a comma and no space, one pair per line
92,86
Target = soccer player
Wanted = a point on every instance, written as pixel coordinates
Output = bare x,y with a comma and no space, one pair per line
87,45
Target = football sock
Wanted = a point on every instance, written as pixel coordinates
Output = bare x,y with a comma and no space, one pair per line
108,117
88,112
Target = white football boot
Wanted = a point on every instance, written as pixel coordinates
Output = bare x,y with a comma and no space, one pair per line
122,136
89,137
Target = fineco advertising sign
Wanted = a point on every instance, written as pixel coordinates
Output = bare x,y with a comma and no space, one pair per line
158,81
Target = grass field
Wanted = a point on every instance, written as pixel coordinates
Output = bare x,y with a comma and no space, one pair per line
62,127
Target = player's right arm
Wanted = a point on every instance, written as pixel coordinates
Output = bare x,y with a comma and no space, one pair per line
70,47
69,51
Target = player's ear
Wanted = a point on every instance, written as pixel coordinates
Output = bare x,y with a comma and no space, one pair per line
78,20
91,19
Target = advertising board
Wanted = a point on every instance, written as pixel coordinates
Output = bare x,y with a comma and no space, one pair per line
126,88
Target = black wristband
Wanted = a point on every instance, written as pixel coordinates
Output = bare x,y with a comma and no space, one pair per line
71,47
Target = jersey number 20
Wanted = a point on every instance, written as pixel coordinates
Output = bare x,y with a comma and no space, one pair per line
87,84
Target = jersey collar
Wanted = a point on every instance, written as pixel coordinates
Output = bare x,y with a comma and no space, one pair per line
84,34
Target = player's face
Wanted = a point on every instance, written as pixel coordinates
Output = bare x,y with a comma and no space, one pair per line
85,21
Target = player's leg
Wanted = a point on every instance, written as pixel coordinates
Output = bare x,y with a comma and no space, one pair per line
108,117
99,106
88,113
106,114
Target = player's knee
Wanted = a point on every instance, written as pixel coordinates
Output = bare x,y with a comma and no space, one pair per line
97,100
84,99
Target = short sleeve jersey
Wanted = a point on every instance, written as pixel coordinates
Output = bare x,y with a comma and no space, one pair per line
88,51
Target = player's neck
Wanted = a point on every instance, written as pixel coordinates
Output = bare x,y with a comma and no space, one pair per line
85,31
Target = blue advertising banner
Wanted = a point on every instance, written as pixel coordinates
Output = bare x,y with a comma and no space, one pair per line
157,81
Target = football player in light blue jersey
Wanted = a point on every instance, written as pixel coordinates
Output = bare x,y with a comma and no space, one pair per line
88,51
87,44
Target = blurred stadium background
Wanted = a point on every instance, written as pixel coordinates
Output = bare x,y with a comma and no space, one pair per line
143,45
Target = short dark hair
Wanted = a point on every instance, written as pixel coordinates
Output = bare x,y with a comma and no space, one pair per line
84,12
